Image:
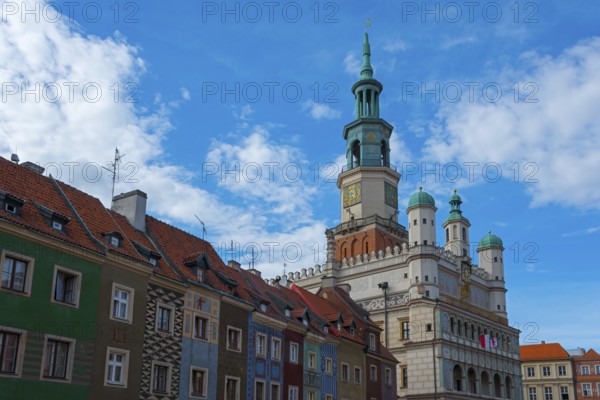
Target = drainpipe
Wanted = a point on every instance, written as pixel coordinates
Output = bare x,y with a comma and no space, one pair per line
433,351
384,287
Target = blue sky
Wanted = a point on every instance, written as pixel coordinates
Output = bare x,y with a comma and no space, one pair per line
233,112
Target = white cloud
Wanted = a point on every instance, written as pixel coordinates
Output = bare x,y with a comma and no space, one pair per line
185,94
587,231
395,46
555,140
449,43
321,111
79,130
352,64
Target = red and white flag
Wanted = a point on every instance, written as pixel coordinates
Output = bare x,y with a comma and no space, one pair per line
485,341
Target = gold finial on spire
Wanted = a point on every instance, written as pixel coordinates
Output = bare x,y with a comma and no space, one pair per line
367,24
455,190
420,188
490,232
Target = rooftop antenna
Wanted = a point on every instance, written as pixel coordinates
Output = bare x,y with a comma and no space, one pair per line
230,254
114,167
203,226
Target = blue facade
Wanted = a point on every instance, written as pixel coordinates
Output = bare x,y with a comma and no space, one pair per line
328,378
263,364
199,353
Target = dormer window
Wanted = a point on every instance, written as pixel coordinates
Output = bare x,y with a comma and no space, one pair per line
304,321
57,226
10,208
326,329
200,274
288,313
263,307
152,261
351,330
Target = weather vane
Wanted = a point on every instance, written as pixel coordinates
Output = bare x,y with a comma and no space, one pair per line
367,24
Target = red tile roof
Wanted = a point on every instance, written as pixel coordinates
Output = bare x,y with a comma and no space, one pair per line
591,354
544,351
37,190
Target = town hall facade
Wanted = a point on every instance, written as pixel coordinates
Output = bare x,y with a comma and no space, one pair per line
444,317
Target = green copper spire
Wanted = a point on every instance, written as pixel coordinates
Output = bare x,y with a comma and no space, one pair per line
366,71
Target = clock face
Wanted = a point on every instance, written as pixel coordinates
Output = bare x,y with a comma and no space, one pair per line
370,137
391,195
352,194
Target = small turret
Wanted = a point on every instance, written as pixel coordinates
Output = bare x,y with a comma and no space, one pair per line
421,219
457,227
490,253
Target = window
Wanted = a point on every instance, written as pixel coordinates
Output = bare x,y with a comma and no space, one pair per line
562,370
276,349
312,395
57,226
57,358
530,372
161,378
586,389
357,375
345,372
373,373
200,327
312,360
10,208
259,390
232,388
388,376
294,352
115,241
66,286
415,222
372,341
532,393
116,366
234,339
405,377
564,393
261,345
405,326
424,221
274,391
548,393
16,273
164,318
9,351
585,370
545,371
328,397
328,366
199,382
597,369
293,392
122,304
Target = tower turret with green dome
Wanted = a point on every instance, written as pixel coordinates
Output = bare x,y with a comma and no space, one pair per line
457,227
421,219
490,253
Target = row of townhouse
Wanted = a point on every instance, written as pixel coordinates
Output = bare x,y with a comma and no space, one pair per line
114,304
550,372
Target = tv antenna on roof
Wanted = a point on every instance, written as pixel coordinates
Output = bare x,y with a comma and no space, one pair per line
203,226
114,167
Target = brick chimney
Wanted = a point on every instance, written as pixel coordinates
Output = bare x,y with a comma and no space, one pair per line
132,205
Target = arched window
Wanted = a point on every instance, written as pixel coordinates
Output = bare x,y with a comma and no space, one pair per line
457,378
485,383
497,386
459,328
508,387
447,235
472,378
454,232
466,330
465,252
473,332
356,154
353,248
384,154
452,326
464,234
